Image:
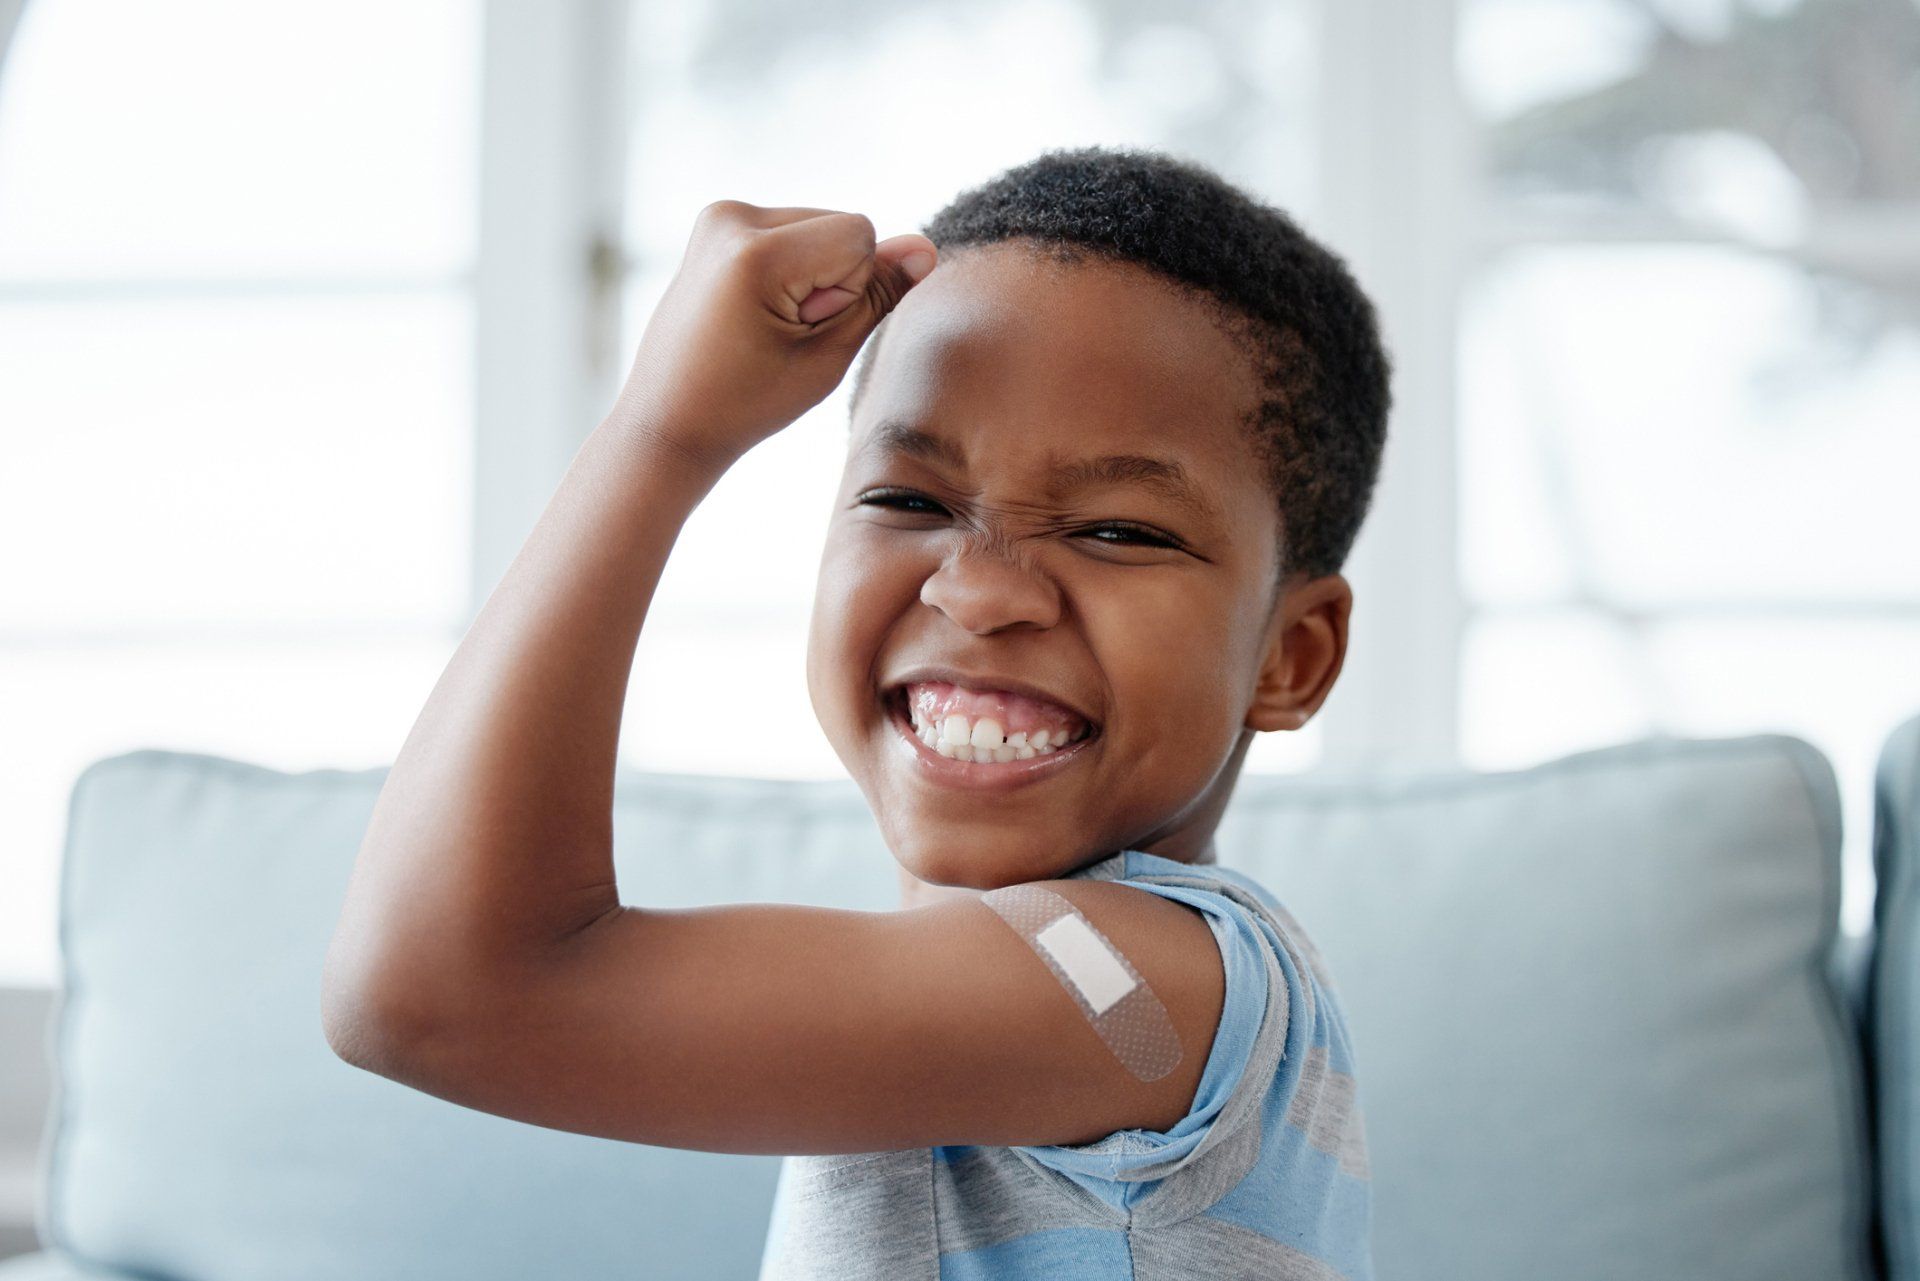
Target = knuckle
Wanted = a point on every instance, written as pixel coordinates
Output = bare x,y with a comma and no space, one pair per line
756,252
864,225
889,291
723,212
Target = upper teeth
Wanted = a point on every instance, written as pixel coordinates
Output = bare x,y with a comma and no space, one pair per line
986,740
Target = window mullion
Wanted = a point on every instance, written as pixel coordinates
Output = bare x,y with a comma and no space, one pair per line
1394,185
552,169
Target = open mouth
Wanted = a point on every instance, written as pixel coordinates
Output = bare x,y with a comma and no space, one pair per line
986,728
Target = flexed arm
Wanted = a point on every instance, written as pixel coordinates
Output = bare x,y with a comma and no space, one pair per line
484,955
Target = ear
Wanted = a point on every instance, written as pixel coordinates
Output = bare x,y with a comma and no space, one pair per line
1306,644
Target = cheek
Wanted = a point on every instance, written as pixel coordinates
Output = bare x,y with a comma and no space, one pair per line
874,575
830,637
1172,656
855,602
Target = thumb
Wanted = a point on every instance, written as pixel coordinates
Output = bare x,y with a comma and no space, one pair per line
912,255
899,263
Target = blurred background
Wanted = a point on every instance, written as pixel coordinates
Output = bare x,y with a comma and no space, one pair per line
304,310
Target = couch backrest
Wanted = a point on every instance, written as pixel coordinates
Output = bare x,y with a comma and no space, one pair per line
1893,996
1596,1006
1593,1007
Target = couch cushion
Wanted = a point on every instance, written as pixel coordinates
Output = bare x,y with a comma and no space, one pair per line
206,1131
1592,1002
1595,1007
1893,995
51,1265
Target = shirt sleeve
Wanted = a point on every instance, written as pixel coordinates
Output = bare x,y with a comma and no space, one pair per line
1123,1163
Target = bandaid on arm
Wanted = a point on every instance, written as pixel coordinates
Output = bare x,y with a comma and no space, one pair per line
1108,990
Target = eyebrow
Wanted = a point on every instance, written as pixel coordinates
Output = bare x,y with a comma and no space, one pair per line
1160,475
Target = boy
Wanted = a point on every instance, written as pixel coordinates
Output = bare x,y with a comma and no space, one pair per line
1103,466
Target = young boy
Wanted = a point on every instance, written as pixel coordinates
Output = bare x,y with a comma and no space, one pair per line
1104,465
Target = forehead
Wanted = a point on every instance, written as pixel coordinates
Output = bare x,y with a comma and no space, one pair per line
1003,352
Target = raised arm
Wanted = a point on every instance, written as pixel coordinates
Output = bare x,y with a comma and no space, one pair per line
483,953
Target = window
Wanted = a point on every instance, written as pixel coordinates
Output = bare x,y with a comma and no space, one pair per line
891,112
235,398
1666,340
1689,360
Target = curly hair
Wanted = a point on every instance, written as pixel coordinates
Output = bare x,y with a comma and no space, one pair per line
1309,331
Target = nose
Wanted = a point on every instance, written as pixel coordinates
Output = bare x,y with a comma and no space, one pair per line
988,589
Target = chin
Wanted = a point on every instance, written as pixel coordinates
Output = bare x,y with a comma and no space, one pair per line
977,857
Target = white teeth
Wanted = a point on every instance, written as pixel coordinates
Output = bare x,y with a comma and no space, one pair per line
987,733
985,740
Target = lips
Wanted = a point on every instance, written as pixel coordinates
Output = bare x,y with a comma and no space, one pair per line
936,693
970,769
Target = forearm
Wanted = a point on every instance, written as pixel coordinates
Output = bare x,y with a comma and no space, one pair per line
491,842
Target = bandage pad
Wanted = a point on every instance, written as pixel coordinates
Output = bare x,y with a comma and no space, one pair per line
1108,990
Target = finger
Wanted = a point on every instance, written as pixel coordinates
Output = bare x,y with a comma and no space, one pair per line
900,263
907,250
831,253
912,254
780,215
824,303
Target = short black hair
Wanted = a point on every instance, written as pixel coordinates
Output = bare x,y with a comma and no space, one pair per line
1307,327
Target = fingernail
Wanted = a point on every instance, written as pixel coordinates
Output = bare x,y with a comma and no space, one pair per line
917,264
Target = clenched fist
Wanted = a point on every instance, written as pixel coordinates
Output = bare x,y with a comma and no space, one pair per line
761,321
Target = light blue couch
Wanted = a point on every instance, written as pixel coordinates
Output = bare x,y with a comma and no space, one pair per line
1602,1024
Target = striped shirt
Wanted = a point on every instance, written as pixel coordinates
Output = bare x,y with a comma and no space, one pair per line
1266,1175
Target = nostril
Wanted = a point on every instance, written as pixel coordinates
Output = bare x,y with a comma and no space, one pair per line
985,603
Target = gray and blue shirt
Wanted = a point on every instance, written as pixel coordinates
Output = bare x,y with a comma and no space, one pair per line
1265,1176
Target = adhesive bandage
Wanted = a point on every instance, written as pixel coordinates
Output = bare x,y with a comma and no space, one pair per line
1109,991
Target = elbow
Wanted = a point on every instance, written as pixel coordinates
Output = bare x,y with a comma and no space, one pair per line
352,1033
366,1021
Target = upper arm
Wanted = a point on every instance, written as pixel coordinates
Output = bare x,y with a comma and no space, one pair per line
790,1029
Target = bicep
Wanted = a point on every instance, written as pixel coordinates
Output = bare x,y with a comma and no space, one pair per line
782,1028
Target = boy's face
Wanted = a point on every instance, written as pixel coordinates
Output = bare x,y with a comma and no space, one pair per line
960,542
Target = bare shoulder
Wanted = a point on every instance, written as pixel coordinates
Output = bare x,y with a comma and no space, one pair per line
1171,946
1162,937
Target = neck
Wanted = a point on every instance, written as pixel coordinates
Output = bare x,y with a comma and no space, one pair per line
915,892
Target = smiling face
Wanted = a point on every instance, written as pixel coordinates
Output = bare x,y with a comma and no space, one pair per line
1051,522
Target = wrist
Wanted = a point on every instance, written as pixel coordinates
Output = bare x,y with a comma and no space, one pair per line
661,445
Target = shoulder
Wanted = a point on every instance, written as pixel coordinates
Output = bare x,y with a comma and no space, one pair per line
1167,943
1271,975
1168,940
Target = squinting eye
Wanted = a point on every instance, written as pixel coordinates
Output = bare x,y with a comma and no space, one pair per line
1145,537
897,499
1130,535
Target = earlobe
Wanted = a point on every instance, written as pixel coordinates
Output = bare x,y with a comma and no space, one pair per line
1271,719
1306,646
1273,710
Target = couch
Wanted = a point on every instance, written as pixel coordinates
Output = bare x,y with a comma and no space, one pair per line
1605,1020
